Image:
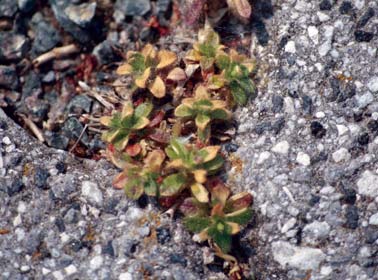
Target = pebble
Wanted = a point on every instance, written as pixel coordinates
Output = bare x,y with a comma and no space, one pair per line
26,5
281,148
303,158
302,258
363,36
313,33
82,14
373,220
341,129
368,184
288,225
13,46
71,269
290,47
315,232
125,276
8,8
263,157
341,155
8,76
365,99
372,84
96,262
6,141
132,7
92,193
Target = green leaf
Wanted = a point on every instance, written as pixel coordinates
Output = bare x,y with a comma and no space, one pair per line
208,51
151,188
134,189
213,165
172,184
202,121
127,122
223,61
143,110
219,114
178,148
220,232
239,94
184,111
137,63
196,224
240,217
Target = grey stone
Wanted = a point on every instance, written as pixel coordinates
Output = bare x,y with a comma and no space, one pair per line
373,84
47,37
302,258
373,220
368,184
13,46
315,232
82,14
8,8
8,77
133,8
92,193
26,5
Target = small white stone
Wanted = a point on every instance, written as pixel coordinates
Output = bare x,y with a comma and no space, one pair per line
281,148
21,208
96,262
302,258
290,47
341,129
45,270
372,84
288,225
91,191
368,184
326,270
125,276
71,269
373,220
319,66
320,115
365,99
25,268
303,158
263,157
322,16
313,33
289,107
6,140
58,275
17,221
374,116
134,214
64,237
324,48
341,154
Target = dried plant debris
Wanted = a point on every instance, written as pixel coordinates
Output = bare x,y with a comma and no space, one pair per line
162,138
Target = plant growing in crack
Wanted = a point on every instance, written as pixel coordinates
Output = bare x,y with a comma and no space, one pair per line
165,147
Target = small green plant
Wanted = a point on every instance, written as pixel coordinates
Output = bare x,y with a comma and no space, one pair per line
191,166
220,219
203,110
164,147
129,123
146,67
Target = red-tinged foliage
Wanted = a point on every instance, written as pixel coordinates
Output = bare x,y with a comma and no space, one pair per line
157,119
111,148
167,201
160,136
86,67
133,149
138,102
119,181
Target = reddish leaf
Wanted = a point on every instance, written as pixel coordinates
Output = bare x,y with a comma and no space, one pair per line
167,201
120,181
133,149
160,136
157,119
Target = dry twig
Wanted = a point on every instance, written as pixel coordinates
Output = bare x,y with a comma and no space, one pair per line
33,127
79,138
56,53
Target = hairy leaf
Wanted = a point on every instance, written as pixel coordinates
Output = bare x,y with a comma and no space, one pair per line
196,224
